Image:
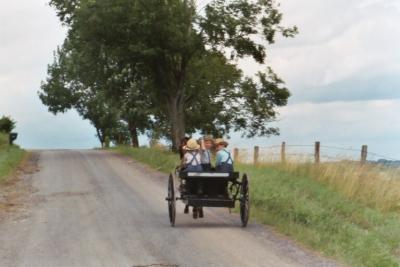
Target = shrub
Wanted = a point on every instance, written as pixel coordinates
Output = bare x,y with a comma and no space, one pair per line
6,124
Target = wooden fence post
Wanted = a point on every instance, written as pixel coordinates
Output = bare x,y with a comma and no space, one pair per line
364,154
317,152
256,155
283,152
236,155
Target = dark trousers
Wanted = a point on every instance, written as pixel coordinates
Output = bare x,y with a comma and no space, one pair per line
207,167
223,185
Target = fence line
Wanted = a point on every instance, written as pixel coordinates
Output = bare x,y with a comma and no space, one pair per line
316,155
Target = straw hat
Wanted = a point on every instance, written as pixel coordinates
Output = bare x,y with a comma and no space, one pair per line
220,141
192,144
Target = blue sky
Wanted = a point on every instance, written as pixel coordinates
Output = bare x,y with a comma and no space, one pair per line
343,70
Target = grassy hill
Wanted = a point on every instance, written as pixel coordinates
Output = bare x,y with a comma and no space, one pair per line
347,212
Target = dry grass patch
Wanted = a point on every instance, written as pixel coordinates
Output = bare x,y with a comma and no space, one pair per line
375,185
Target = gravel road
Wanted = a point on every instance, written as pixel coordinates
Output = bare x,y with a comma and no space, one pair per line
97,208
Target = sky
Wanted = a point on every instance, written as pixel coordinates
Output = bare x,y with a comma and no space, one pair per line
343,70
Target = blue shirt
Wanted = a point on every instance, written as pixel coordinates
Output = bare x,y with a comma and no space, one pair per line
223,156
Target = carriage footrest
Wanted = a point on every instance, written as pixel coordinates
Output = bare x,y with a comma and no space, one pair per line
210,202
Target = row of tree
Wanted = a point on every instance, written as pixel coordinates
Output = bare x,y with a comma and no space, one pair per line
166,68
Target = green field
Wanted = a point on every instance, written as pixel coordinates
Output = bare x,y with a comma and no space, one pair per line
315,212
10,157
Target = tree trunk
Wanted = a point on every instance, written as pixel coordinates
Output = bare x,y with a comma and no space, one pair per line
177,118
134,134
101,137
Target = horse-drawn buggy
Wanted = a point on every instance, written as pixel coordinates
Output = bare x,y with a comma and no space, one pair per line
209,189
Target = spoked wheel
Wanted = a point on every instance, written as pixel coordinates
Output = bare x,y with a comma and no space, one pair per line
244,201
171,200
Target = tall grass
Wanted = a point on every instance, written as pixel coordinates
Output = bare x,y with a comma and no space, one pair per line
373,185
323,218
321,207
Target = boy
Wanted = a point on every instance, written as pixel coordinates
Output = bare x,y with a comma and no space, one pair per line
224,161
192,158
206,145
192,163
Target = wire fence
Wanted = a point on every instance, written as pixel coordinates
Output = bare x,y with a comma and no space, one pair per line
316,153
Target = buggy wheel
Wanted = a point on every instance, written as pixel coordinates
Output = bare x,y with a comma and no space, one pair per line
171,200
244,201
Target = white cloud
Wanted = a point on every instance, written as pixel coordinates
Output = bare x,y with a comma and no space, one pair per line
345,124
337,40
341,42
29,32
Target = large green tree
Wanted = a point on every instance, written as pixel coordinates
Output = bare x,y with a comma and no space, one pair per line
78,79
187,58
66,87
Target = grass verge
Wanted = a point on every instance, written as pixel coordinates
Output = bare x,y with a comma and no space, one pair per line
323,218
10,158
310,211
159,159
376,186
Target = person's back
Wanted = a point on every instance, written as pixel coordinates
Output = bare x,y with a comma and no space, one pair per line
207,144
224,161
192,157
192,161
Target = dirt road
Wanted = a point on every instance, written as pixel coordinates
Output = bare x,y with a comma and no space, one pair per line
96,208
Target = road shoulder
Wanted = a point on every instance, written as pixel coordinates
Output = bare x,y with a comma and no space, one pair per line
16,189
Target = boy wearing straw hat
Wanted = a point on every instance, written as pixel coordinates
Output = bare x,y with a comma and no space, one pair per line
192,157
192,163
224,161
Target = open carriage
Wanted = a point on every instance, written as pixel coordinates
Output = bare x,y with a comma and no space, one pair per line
210,189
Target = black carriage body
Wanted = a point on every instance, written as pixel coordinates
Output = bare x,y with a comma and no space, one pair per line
218,189
209,189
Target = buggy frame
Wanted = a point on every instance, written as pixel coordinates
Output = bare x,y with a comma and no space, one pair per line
210,189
